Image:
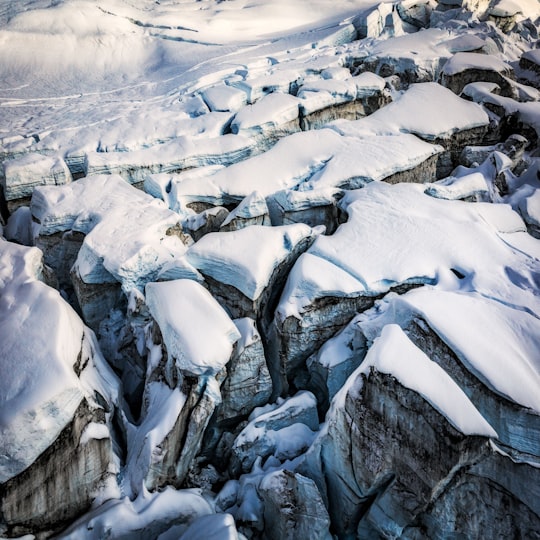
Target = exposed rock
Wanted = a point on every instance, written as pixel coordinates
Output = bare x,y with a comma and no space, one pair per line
316,207
293,507
415,12
349,99
248,383
206,222
486,496
330,367
530,60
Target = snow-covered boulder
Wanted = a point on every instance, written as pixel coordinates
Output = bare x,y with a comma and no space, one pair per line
272,117
344,273
418,111
58,397
205,222
329,99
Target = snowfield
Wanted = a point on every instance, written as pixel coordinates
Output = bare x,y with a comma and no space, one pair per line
269,269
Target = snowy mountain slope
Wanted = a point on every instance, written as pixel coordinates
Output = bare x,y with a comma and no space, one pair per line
306,235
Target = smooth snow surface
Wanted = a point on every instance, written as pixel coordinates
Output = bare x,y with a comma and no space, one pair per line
395,354
418,110
197,332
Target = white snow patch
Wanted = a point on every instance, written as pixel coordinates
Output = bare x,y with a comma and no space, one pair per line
197,332
393,353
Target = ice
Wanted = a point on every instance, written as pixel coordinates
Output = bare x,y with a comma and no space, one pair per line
23,174
246,258
147,515
394,353
41,340
270,112
224,98
210,527
37,398
486,334
196,330
19,227
128,233
419,111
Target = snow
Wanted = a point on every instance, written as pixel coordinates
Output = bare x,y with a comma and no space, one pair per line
23,174
247,258
463,61
145,442
126,230
40,341
459,188
197,332
497,342
254,205
418,111
224,98
148,514
393,353
271,111
210,527
530,208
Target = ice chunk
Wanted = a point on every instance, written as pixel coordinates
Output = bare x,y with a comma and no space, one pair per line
196,330
247,258
394,354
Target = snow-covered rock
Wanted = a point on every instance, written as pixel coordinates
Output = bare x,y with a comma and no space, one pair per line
272,117
418,111
252,210
125,238
344,273
464,68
